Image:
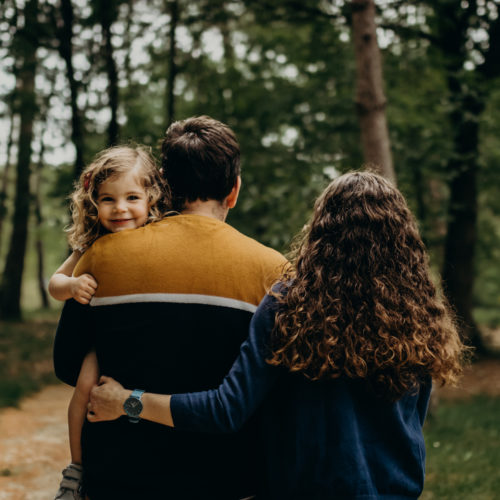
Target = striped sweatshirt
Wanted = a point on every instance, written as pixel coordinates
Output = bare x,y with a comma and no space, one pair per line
173,306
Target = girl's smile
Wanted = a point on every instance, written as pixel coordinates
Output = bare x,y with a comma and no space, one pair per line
122,203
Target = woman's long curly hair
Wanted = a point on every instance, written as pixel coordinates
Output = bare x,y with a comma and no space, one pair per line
360,301
113,162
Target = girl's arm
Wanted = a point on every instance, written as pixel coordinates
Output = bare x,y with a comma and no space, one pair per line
224,409
63,286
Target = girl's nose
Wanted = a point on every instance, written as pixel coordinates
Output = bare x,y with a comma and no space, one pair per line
121,206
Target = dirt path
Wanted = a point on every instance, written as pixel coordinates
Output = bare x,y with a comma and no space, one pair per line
34,445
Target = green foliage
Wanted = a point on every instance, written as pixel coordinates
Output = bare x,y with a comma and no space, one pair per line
463,450
283,76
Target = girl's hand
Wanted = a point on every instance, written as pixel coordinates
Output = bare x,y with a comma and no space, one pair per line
106,400
83,288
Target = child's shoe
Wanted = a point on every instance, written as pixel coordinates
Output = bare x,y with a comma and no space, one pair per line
71,484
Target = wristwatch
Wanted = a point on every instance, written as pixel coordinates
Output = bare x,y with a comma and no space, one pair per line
133,405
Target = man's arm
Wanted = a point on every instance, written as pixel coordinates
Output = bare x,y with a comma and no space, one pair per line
74,339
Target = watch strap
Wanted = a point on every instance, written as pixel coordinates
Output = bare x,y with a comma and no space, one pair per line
136,394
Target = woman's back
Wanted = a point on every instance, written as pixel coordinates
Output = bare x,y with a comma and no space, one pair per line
337,439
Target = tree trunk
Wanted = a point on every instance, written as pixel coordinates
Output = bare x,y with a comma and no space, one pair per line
5,176
107,16
10,297
458,268
65,35
370,99
466,103
38,229
172,68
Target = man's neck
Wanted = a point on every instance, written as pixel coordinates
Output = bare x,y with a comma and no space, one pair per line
209,208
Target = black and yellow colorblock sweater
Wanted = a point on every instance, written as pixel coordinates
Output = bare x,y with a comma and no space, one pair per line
173,306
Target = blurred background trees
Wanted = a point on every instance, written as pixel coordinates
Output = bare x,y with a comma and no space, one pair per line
78,75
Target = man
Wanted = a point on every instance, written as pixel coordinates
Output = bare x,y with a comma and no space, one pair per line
173,305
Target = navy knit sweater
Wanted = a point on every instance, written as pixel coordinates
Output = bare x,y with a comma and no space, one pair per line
331,439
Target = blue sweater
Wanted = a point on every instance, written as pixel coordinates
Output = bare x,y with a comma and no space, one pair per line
330,439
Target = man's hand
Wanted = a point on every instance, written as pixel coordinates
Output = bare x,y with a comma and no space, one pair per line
106,400
83,288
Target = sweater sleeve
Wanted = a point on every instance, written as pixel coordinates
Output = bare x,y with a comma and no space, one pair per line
74,334
73,341
226,408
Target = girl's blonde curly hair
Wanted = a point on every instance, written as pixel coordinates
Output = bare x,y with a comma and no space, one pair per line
113,162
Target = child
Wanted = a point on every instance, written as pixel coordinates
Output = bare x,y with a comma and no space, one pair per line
122,189
339,357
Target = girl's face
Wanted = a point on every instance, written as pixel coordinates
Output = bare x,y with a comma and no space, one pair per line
122,203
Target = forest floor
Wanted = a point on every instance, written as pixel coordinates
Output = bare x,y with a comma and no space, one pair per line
34,445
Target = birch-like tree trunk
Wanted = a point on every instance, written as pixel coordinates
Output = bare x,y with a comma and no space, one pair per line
370,98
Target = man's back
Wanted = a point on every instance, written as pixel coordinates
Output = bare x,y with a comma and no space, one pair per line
172,308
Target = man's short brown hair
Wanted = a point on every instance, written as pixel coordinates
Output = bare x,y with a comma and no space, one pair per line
200,160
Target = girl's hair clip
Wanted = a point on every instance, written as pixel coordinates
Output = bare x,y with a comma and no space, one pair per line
86,181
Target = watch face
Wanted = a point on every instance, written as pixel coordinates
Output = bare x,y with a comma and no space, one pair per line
132,407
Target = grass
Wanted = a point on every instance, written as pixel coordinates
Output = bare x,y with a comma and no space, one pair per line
25,357
463,450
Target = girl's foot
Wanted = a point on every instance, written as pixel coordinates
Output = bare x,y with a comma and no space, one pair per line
71,484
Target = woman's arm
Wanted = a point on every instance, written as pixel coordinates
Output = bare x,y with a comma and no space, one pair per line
63,286
224,409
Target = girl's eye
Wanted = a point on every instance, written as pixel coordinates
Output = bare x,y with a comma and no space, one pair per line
106,198
133,197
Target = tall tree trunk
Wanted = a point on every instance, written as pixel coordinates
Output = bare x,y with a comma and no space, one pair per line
107,16
38,229
461,236
5,176
466,105
65,35
172,68
370,98
10,292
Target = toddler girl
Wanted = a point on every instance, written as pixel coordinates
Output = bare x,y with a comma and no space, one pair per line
121,189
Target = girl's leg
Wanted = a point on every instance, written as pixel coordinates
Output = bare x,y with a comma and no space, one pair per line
77,411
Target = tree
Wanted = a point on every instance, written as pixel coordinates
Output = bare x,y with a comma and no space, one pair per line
468,89
25,45
370,97
106,14
64,31
39,247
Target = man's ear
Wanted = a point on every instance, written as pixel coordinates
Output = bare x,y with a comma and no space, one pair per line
232,197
